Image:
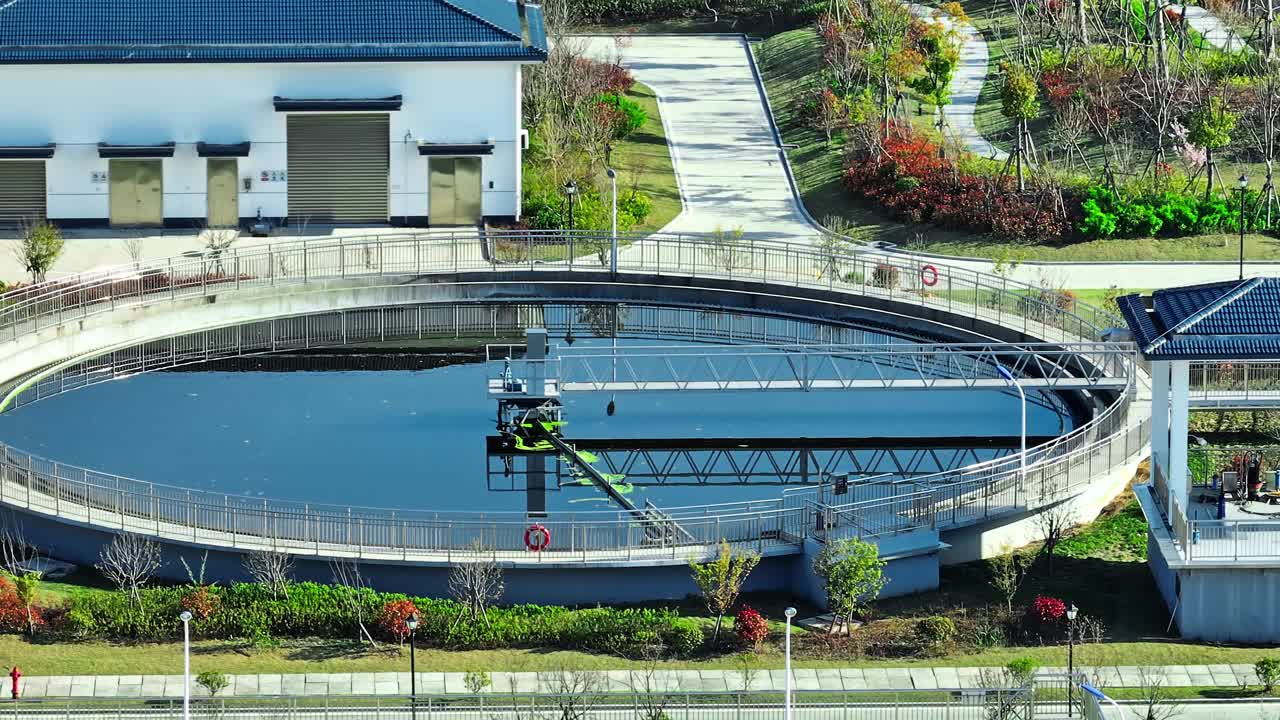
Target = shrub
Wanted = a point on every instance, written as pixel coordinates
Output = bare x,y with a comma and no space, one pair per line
636,204
213,681
201,602
393,620
624,114
13,611
885,276
1268,672
40,247
750,626
1046,611
936,630
1022,669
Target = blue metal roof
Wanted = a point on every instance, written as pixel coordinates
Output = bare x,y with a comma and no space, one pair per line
1237,320
195,31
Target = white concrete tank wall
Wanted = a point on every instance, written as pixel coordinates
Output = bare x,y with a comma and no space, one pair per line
79,106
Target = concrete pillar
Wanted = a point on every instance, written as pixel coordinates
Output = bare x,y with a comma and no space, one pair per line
1160,418
536,350
1179,478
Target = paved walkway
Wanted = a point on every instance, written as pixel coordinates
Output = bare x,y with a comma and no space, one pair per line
727,160
966,85
1215,32
320,684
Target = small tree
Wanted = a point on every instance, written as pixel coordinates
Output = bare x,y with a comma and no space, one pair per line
129,561
941,56
40,248
1210,126
576,692
213,681
27,587
476,584
1020,102
1053,523
1268,672
1154,701
720,580
729,248
271,569
475,681
16,557
853,574
1008,570
353,589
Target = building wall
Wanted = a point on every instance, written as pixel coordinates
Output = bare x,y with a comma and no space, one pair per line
78,106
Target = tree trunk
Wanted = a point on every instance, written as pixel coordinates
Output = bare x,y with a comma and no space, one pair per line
1269,23
715,634
1208,166
1082,23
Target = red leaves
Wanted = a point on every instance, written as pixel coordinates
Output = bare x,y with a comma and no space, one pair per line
392,621
910,182
750,626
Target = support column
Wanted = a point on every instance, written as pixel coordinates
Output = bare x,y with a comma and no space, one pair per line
1179,478
1160,419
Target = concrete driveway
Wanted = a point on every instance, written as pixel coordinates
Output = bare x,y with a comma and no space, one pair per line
727,161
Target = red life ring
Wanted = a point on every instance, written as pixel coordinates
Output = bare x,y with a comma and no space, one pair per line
929,275
537,538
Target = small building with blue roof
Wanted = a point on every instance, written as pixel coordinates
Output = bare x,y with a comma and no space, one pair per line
1214,538
217,112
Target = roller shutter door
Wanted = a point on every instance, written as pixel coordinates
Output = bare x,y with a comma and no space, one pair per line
338,167
22,192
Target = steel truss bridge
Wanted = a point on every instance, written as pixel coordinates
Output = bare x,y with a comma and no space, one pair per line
955,366
764,461
74,331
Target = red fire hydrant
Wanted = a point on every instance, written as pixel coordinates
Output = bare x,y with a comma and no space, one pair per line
16,674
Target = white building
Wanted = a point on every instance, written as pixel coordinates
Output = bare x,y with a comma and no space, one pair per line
213,112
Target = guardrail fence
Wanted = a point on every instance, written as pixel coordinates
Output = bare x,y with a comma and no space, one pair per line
943,500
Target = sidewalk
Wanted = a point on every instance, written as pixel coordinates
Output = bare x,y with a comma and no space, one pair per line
435,683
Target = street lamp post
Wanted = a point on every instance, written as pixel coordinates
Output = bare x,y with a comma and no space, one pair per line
571,189
1022,460
186,664
613,253
789,613
411,622
1071,660
1244,189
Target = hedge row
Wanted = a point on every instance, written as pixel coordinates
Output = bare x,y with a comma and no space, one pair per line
250,611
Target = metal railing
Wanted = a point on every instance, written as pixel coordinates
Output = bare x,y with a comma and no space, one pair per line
981,491
654,700
1235,382
1228,540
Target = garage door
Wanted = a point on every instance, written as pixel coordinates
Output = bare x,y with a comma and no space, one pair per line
22,195
338,168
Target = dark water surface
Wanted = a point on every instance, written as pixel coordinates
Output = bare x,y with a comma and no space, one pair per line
416,438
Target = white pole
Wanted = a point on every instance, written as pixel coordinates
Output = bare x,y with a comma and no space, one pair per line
789,613
613,255
186,664
1022,459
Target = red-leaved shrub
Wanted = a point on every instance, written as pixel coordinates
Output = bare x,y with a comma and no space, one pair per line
750,626
911,182
13,613
201,603
1047,610
392,619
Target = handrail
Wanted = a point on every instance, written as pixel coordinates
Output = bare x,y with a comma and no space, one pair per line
49,486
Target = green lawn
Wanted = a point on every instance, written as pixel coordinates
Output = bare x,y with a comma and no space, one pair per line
644,162
790,62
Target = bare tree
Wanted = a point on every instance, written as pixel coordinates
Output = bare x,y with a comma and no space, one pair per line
16,557
347,574
1008,570
270,569
1154,701
1007,696
130,561
216,242
476,584
576,692
653,691
133,248
1052,523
